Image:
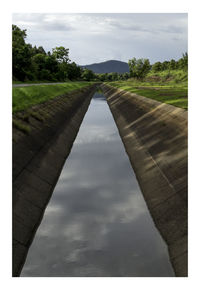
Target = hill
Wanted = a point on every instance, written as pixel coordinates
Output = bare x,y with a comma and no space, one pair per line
108,67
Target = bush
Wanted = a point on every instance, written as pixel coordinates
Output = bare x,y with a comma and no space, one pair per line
44,74
139,68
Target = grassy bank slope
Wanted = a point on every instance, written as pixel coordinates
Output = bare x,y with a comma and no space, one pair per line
167,87
25,97
31,82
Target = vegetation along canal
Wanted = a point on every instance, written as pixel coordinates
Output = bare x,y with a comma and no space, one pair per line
97,222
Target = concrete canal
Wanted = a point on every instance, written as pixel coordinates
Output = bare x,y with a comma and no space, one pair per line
97,222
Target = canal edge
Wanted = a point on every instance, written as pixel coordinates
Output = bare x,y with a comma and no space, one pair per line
165,194
37,166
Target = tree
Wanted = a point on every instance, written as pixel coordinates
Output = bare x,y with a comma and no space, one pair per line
61,54
51,63
109,77
33,63
39,60
73,71
157,66
114,76
139,67
44,75
36,50
41,50
172,64
18,36
165,65
126,75
21,53
87,75
183,62
102,77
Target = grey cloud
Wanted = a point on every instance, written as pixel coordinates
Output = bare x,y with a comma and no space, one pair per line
151,29
131,27
98,37
40,22
172,29
55,26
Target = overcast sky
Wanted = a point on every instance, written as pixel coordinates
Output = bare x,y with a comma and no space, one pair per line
94,37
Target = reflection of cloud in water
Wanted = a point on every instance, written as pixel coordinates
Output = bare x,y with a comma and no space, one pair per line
53,208
97,223
95,135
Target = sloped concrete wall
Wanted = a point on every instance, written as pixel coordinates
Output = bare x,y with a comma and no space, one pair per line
38,159
155,138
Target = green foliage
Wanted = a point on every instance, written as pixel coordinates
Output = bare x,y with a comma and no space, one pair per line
166,77
20,53
165,65
139,67
102,77
33,63
87,75
109,76
183,62
61,54
73,71
172,64
157,66
114,76
124,76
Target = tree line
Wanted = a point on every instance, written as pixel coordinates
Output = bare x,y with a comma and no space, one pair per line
31,63
139,68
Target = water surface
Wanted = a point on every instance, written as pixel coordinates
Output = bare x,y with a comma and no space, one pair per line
97,223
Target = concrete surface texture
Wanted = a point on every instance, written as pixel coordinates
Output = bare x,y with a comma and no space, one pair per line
37,162
155,138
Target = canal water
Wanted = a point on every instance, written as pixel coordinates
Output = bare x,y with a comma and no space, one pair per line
97,222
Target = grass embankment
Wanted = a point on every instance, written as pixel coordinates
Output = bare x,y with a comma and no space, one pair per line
32,82
167,87
25,97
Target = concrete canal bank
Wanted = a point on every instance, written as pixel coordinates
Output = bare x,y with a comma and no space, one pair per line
155,138
97,222
38,158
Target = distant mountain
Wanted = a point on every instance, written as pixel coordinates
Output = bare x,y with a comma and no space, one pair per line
108,66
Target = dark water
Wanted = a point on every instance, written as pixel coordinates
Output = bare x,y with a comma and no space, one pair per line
97,223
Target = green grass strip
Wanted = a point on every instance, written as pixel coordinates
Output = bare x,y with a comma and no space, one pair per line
25,97
176,96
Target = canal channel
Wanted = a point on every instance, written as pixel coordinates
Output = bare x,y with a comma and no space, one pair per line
97,223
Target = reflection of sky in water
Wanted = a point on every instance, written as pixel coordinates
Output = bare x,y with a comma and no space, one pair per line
97,223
